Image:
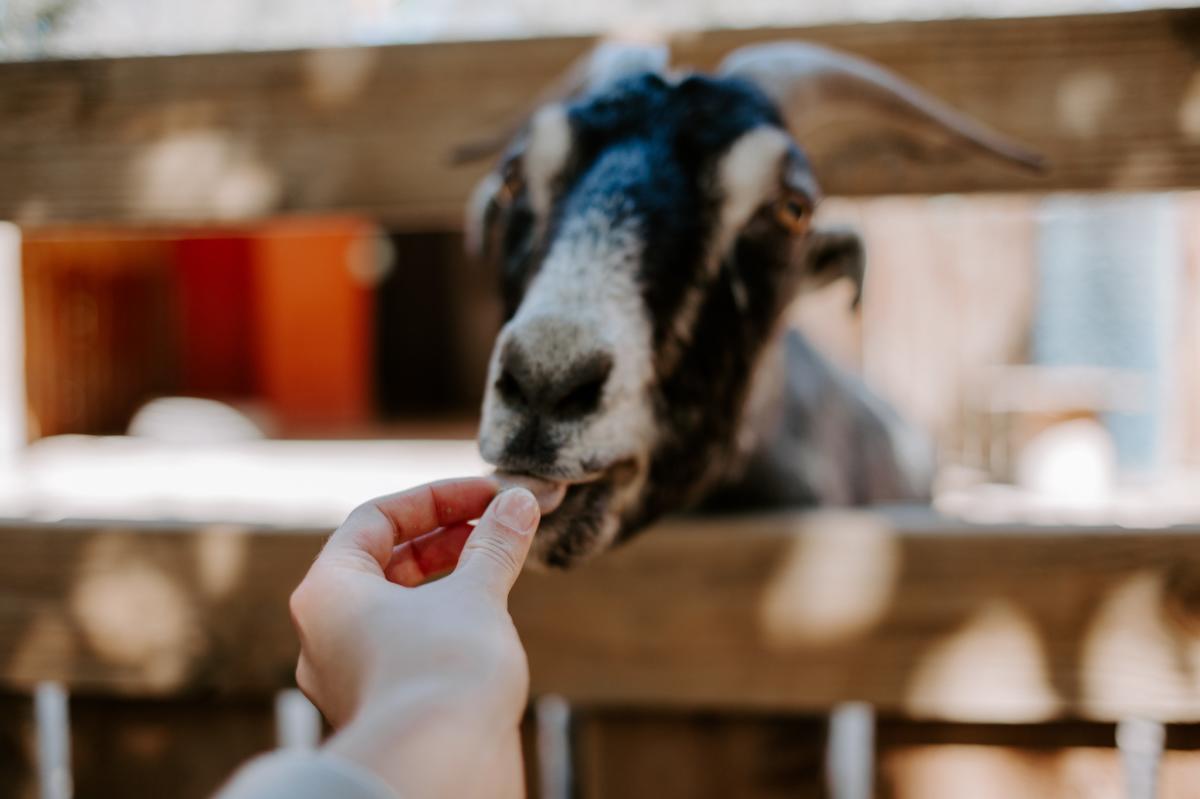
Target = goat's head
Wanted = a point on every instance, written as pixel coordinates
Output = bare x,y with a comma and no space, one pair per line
650,231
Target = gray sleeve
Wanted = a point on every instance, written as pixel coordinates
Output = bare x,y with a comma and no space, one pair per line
304,774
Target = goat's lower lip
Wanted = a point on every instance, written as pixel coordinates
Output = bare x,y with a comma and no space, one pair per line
549,493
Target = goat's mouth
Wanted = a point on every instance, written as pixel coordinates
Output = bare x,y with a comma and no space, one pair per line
552,492
581,516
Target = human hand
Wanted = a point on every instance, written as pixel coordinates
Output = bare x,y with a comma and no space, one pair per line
426,681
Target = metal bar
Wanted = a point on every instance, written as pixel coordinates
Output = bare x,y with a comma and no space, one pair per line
1141,743
553,717
297,721
53,729
850,751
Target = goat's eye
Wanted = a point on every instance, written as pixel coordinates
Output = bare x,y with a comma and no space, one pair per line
793,213
511,183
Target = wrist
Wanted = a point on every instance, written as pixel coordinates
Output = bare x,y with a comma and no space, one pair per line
414,742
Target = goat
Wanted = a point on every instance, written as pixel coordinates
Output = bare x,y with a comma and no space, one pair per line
650,229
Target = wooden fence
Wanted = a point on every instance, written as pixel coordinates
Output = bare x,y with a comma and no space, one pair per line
719,634
702,659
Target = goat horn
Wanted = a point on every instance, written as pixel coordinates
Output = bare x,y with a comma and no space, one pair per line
604,64
801,77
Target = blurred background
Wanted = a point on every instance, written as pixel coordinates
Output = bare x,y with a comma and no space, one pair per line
233,292
1049,341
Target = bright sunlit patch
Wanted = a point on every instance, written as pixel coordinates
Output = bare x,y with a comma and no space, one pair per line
1133,655
1189,108
303,483
1085,99
132,614
1073,464
221,552
201,173
993,668
835,582
336,77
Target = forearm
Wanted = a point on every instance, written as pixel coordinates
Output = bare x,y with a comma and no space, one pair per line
304,774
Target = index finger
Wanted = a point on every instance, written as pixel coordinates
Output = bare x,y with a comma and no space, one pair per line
376,526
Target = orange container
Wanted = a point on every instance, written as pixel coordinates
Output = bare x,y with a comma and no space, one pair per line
314,320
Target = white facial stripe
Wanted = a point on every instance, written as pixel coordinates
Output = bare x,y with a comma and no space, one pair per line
587,289
546,154
477,207
747,175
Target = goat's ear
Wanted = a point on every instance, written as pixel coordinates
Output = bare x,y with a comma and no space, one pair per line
832,254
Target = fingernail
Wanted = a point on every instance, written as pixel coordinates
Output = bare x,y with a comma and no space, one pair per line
516,508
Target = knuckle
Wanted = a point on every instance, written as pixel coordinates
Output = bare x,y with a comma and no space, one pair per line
298,603
365,512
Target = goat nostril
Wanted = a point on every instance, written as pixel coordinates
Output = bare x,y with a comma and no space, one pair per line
583,399
585,387
509,389
565,390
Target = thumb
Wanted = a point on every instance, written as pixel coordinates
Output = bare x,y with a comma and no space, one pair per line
496,550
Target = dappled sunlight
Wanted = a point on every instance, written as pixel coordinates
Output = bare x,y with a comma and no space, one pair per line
336,77
133,615
835,582
1085,99
1135,655
221,554
1071,464
1189,108
991,668
201,173
308,483
998,772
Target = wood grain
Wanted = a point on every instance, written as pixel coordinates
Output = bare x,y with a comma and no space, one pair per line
698,756
947,761
1112,99
790,613
183,748
18,769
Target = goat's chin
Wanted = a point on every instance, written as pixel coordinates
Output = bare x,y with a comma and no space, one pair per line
589,518
582,526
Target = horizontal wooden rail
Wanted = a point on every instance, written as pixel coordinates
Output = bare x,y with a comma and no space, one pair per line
1113,99
918,615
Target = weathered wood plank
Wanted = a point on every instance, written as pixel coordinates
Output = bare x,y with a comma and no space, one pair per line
185,748
803,612
694,756
925,618
946,761
1112,99
18,768
141,611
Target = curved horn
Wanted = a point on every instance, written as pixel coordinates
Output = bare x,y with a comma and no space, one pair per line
801,78
603,65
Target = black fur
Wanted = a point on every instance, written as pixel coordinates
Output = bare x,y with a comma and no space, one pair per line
646,150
